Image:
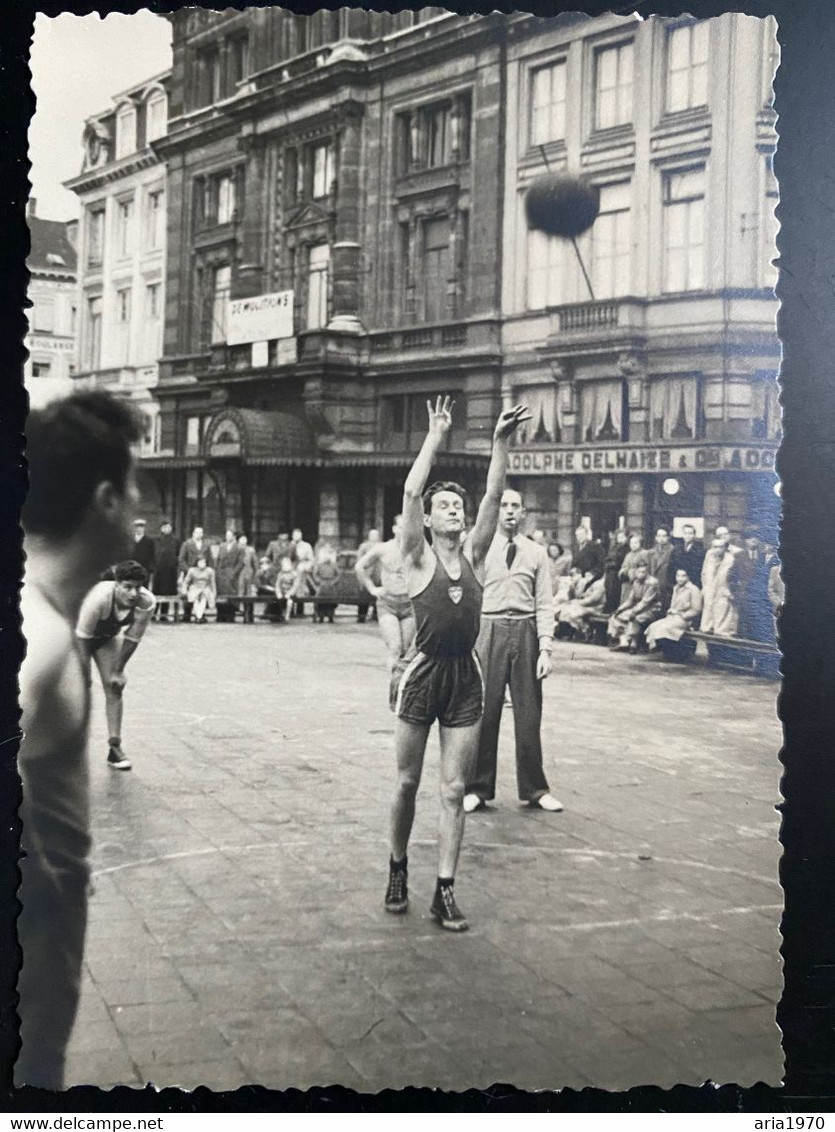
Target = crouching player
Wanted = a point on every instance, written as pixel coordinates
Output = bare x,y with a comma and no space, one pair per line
113,619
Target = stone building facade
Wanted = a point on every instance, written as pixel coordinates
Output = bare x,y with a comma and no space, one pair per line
346,239
655,400
122,256
50,366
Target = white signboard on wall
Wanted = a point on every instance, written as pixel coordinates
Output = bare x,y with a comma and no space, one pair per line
260,318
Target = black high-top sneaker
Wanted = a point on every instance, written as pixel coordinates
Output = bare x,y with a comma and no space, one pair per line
397,893
446,912
117,759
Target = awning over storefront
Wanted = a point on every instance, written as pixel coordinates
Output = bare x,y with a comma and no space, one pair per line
258,435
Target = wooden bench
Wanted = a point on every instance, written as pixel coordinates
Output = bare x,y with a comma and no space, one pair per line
734,652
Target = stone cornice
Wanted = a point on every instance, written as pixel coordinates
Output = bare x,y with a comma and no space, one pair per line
115,171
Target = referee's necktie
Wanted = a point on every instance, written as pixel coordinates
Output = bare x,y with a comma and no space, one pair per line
511,553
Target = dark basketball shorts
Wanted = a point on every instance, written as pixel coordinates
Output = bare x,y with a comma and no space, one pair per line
399,607
447,688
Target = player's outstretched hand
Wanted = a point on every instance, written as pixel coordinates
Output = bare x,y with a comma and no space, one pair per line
510,419
440,418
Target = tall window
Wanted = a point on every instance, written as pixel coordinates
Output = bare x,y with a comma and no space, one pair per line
548,90
192,436
546,272
156,117
687,66
611,242
209,76
317,286
94,309
226,199
221,290
153,292
435,135
95,236
43,315
684,230
323,171
238,62
674,408
124,228
435,268
155,219
602,415
123,305
125,131
613,86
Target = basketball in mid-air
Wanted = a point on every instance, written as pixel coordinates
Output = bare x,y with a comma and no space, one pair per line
562,204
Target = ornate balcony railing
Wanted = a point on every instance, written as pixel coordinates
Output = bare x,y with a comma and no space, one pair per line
604,315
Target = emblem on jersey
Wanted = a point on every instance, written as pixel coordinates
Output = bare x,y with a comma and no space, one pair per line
455,594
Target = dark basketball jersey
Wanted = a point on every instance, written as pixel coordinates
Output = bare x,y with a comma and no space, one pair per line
448,612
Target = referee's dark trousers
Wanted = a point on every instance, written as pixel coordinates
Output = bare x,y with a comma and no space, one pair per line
507,651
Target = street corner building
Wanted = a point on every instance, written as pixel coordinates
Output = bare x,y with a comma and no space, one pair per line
343,236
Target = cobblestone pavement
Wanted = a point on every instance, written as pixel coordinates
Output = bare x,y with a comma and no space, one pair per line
237,932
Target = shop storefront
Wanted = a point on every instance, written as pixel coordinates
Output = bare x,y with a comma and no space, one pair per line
642,487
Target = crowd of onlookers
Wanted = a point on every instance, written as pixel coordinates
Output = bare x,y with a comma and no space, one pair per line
650,596
653,596
211,575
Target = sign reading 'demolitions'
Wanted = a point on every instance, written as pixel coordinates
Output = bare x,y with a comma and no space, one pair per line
260,318
708,458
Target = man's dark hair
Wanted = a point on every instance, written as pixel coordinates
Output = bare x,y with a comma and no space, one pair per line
442,485
131,571
72,446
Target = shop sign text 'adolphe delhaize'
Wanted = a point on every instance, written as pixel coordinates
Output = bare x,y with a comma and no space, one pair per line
643,458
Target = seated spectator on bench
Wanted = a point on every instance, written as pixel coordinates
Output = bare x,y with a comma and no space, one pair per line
265,577
640,608
200,589
304,588
685,610
574,617
569,587
636,556
325,575
285,583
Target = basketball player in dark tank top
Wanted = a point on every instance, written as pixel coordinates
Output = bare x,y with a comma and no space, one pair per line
442,680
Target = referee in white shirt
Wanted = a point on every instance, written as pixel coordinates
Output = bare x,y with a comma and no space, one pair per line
514,649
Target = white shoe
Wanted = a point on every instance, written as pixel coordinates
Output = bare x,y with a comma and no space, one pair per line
472,802
546,802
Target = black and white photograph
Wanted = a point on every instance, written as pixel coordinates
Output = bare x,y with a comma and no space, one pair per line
402,587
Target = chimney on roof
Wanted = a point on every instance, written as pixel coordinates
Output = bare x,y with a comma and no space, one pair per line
71,231
32,207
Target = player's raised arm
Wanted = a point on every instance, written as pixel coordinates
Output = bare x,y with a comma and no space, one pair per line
412,536
488,513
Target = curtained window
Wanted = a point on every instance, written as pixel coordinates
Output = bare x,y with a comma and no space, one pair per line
602,411
542,428
766,419
673,408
